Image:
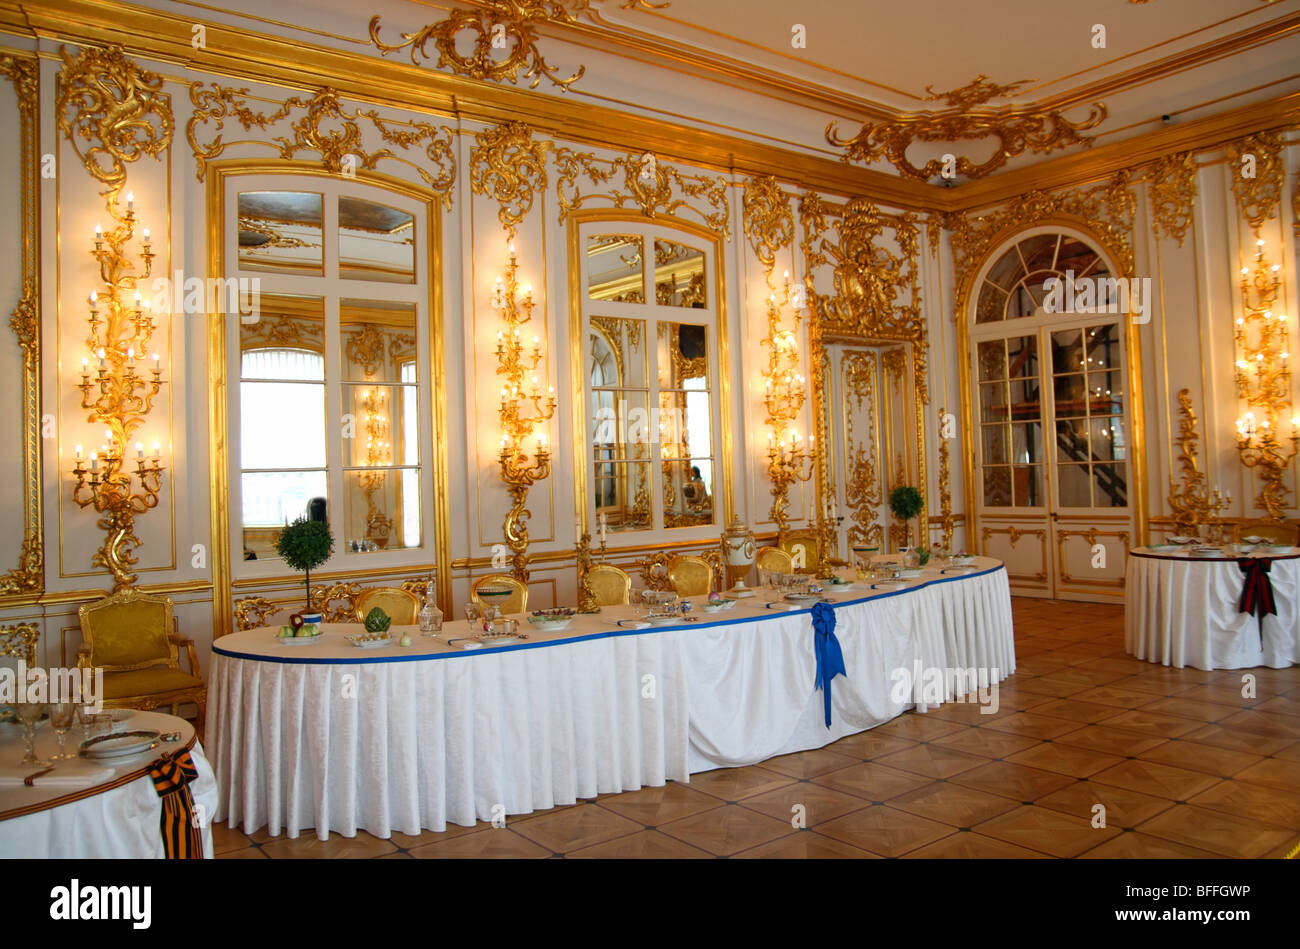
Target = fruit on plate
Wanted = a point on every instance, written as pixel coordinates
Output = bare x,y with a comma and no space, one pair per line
286,632
377,621
307,630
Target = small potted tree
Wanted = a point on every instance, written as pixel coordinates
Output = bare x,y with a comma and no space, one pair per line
305,544
906,503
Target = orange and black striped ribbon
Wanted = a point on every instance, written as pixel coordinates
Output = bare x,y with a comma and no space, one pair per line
172,774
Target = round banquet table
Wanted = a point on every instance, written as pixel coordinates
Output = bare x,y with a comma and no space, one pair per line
1182,610
330,736
90,809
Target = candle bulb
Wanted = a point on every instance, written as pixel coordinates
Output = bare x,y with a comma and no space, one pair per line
157,450
77,448
101,358
130,200
94,462
139,449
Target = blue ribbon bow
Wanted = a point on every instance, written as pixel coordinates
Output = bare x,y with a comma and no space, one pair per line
830,660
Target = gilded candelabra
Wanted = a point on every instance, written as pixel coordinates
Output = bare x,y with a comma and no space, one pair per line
119,395
788,461
374,403
1264,382
586,595
523,409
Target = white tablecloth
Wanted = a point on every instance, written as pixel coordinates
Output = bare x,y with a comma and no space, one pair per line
120,822
1182,611
329,737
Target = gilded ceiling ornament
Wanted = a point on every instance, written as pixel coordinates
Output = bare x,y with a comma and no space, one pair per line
1255,164
769,221
1171,182
508,165
112,112
505,26
325,127
1017,129
653,186
1105,209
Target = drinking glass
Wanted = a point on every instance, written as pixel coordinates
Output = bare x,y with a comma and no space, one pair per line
61,715
471,612
29,713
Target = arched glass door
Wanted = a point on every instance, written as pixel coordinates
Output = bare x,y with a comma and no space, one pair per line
1050,413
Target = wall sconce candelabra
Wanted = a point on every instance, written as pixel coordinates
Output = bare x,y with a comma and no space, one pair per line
523,409
119,394
1264,382
788,461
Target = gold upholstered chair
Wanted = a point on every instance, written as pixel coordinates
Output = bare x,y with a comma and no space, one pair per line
805,542
690,576
132,636
1275,532
518,600
773,559
611,586
402,606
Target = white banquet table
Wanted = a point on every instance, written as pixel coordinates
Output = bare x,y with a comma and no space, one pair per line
332,737
95,810
1182,610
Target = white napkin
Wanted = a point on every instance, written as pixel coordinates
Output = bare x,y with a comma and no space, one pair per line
82,777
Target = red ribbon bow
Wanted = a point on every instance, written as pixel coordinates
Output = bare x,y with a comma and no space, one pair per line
172,775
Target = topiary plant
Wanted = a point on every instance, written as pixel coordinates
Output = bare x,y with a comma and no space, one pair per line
906,503
305,544
377,621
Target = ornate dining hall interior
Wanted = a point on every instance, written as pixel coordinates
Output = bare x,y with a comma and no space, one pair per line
649,428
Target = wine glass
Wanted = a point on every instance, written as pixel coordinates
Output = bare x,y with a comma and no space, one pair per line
61,715
29,713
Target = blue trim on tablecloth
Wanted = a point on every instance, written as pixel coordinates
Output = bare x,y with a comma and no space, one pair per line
607,634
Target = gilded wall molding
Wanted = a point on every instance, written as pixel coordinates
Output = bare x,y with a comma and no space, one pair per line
859,372
1259,197
1192,502
769,220
506,25
1171,185
28,577
325,127
112,112
20,641
1106,209
651,185
509,166
1017,129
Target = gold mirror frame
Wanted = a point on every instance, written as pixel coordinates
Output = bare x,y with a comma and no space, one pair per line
218,427
26,581
577,294
1118,260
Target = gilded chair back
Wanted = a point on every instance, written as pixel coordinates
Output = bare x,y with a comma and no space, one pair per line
690,576
804,545
1275,532
774,559
518,601
402,606
611,586
129,630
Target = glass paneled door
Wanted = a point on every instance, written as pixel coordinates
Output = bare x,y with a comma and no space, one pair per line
1050,415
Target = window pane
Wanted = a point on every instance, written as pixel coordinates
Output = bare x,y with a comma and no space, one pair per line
1028,484
282,425
1071,400
287,341
616,352
684,424
683,354
621,423
280,232
993,359
379,511
376,242
997,487
378,339
1075,488
1039,251
1111,488
272,499
687,499
993,402
1027,443
996,446
616,268
679,275
992,304
622,494
377,435
1022,357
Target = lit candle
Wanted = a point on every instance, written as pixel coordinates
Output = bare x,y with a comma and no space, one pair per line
139,449
77,448
155,362
94,462
130,200
85,365
157,450
541,443
101,358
